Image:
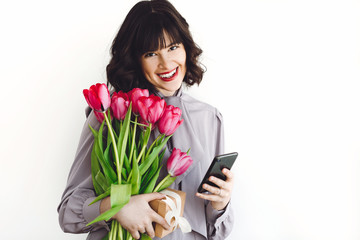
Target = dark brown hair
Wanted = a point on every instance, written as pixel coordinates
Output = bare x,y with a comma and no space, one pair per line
143,31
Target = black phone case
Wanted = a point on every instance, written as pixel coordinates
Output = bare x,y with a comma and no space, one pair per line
219,163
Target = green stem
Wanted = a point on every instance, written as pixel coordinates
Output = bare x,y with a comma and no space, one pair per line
143,148
161,183
114,147
112,231
120,231
141,153
152,145
133,141
140,124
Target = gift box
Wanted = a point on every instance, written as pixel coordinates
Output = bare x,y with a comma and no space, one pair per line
170,210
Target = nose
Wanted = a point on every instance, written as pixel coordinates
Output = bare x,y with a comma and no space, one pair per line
164,61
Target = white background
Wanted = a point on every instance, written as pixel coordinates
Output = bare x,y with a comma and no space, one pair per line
284,74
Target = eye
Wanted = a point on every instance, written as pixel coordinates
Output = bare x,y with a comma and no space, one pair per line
149,54
172,48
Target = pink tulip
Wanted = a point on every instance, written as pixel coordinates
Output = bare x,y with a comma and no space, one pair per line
178,162
151,108
144,122
119,105
98,97
99,116
134,96
170,120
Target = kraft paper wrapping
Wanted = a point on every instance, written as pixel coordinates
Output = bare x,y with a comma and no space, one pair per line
169,209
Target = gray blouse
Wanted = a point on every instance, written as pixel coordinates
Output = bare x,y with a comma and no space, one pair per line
202,131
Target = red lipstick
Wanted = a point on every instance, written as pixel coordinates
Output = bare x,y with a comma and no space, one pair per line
168,79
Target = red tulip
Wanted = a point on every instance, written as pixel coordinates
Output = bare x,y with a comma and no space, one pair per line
144,122
99,116
151,108
178,162
134,96
170,120
119,105
98,97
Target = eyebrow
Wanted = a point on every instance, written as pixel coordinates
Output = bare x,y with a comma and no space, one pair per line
172,44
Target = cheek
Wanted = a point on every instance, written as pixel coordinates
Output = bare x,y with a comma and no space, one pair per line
183,58
147,69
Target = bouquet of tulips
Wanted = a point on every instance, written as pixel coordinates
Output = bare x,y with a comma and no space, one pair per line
123,162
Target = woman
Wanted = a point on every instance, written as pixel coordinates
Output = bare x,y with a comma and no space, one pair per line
154,49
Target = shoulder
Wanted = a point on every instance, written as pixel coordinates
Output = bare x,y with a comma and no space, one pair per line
195,106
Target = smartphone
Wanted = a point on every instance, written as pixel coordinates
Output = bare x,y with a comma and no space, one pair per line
219,163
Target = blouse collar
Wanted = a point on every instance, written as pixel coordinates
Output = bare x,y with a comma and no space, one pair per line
178,93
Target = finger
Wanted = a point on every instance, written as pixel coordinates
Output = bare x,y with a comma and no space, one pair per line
153,196
150,231
229,175
220,183
213,190
135,234
210,197
160,220
142,229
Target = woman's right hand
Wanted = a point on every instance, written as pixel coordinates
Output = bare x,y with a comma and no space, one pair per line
137,215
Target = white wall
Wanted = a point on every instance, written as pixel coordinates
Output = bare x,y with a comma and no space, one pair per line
285,75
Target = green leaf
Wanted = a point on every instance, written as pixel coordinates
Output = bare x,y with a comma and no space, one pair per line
95,169
107,157
95,133
135,155
101,180
123,137
106,215
135,180
188,151
126,163
150,173
149,160
145,237
100,136
109,173
167,183
124,173
117,127
161,157
149,187
146,135
127,235
160,140
120,194
101,196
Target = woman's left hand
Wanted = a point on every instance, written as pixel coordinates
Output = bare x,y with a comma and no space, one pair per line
219,196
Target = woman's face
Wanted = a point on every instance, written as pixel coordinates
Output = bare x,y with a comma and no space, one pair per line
165,68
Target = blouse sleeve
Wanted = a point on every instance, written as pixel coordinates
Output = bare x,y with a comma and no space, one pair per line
74,210
219,223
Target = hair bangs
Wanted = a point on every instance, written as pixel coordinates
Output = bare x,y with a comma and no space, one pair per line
153,29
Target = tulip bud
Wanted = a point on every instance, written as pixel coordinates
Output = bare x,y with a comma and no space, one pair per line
119,105
151,108
178,162
98,97
99,116
170,120
134,96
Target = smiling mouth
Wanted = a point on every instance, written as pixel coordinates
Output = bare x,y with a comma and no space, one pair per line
169,76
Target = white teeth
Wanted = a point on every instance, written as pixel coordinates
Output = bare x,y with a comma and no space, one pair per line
168,75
